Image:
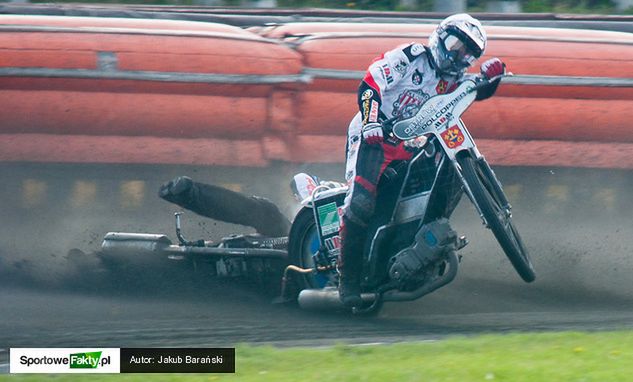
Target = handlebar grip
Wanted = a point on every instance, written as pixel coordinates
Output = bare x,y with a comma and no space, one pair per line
483,81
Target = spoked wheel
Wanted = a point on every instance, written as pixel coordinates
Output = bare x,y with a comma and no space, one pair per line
487,196
303,244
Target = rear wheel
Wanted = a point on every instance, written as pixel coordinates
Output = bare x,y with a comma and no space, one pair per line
497,216
303,243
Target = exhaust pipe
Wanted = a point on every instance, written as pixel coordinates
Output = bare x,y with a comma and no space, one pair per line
141,242
327,299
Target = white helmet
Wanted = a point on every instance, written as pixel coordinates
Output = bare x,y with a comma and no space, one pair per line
457,42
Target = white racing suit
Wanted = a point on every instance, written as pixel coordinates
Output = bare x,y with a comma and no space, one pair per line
396,85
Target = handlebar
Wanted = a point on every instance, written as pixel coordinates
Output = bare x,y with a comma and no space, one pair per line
483,81
388,123
480,82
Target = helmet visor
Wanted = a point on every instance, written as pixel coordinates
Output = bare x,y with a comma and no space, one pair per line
457,51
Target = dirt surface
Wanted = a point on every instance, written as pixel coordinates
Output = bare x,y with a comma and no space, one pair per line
576,223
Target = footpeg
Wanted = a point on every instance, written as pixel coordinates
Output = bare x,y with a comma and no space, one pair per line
462,241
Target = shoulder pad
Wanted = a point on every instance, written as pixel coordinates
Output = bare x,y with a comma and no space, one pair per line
413,51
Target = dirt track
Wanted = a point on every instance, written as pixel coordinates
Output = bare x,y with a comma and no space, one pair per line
577,224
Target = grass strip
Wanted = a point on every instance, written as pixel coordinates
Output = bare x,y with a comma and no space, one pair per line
563,356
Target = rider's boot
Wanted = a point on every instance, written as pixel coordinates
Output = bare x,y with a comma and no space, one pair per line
351,263
178,190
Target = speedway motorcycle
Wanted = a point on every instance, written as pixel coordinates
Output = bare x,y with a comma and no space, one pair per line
410,250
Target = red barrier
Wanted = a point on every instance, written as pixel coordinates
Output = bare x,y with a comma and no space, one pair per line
85,84
111,22
536,57
303,29
215,53
90,76
118,149
141,114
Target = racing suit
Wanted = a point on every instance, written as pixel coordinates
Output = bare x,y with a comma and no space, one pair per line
396,84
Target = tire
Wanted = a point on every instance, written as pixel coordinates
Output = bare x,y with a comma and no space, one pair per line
502,227
303,242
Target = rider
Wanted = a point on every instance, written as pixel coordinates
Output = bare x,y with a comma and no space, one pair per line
395,85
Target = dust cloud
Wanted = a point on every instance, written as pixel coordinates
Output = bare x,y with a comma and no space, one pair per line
577,224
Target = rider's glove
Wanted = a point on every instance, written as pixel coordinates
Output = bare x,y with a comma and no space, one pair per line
492,68
372,133
416,143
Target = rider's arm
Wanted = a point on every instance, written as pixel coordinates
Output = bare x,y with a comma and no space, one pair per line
371,89
369,101
492,68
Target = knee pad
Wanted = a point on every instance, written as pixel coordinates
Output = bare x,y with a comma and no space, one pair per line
361,208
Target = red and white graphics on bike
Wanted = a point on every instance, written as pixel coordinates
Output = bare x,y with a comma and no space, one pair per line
440,116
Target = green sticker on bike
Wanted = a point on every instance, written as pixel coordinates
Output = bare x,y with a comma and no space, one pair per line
328,219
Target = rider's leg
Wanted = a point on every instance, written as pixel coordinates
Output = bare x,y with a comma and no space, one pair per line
364,168
350,262
226,205
178,190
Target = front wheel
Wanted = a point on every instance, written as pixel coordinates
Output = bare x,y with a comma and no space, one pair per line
497,217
